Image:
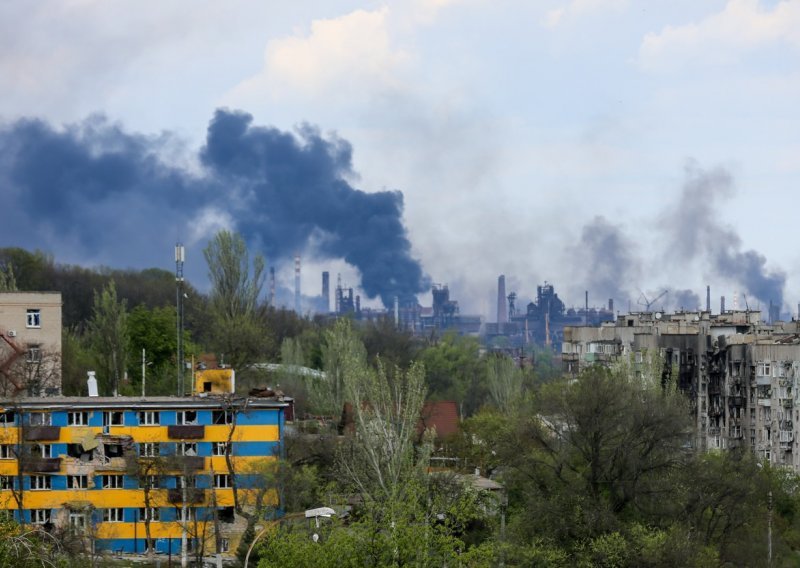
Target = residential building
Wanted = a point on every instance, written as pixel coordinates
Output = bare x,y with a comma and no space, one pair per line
30,343
117,469
741,375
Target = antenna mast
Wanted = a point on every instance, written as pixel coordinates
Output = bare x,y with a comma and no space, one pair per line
179,258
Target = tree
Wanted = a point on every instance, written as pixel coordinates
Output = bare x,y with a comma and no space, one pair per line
504,381
108,337
455,371
342,352
239,334
7,281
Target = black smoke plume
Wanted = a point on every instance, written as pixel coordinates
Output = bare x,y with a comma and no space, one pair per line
90,188
697,232
608,258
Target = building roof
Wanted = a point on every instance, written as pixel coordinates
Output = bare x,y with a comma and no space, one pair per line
135,402
442,415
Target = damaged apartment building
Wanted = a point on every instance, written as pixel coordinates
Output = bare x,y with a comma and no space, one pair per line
740,375
137,474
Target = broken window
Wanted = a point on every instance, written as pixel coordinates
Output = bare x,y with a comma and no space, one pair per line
113,418
8,418
40,516
222,417
225,514
222,481
112,481
7,452
206,386
187,417
41,451
39,419
219,448
187,449
149,449
113,450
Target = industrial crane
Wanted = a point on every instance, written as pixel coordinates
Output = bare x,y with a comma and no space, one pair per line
648,303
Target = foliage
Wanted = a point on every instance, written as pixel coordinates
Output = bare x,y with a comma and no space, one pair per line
108,338
342,352
504,381
27,547
8,283
454,371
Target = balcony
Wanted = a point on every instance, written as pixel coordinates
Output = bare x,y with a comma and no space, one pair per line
186,432
41,465
189,463
787,402
736,400
42,433
194,496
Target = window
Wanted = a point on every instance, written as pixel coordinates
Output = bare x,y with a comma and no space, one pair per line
34,318
77,482
221,417
151,514
152,481
40,482
34,354
188,481
40,516
149,418
6,482
112,481
40,451
7,452
219,448
78,418
77,520
222,481
114,450
224,545
112,515
187,449
187,417
113,418
149,449
8,418
39,419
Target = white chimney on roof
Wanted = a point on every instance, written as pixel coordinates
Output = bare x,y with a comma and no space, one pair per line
92,383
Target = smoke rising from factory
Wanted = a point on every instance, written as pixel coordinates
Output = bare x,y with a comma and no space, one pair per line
91,187
689,231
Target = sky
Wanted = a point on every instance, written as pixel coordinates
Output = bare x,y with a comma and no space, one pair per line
619,146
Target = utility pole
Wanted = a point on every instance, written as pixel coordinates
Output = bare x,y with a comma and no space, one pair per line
179,258
144,363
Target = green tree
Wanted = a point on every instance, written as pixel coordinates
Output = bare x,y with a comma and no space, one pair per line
108,337
7,281
342,352
238,330
454,371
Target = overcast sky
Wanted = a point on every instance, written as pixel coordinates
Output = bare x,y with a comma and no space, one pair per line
557,140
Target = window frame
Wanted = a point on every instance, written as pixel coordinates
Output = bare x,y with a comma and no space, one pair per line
118,483
149,418
154,515
33,318
149,449
81,415
83,481
181,420
181,449
220,477
7,452
45,480
217,447
42,418
33,354
114,515
46,514
7,482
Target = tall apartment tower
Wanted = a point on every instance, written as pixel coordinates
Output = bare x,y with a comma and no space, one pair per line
502,308
326,291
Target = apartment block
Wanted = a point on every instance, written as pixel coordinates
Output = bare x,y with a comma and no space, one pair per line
740,375
30,343
129,474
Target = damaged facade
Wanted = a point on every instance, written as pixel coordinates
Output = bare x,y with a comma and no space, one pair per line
741,376
119,469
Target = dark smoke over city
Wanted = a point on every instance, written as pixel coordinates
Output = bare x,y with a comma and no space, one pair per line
92,187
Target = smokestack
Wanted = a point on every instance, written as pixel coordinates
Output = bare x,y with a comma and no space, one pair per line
358,304
708,299
502,313
722,304
297,307
611,305
397,311
586,310
326,291
272,286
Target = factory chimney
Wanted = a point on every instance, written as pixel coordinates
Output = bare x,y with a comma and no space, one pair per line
397,311
297,307
502,308
611,305
708,299
358,304
272,286
722,304
326,291
586,310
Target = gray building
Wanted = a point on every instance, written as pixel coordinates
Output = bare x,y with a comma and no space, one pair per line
739,374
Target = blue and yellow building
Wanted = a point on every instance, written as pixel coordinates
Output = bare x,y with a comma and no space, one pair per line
119,468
